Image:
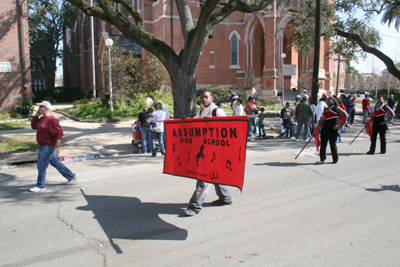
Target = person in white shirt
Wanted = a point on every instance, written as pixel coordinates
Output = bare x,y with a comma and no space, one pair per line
157,130
238,111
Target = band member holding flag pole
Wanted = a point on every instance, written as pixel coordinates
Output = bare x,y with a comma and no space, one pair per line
379,125
330,129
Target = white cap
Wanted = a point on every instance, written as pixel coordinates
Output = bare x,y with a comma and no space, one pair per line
305,91
44,103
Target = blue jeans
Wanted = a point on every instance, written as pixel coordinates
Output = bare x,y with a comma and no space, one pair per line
145,131
261,130
306,129
251,124
153,137
45,156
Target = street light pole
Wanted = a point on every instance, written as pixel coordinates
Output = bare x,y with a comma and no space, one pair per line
109,43
283,56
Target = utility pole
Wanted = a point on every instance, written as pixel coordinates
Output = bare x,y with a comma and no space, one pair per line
338,75
317,48
93,54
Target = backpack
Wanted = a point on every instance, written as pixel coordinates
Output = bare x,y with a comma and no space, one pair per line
213,112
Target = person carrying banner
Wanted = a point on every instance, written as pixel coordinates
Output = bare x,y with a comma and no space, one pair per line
202,188
379,125
330,129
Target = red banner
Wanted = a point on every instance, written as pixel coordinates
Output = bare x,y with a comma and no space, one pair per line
212,151
316,136
368,127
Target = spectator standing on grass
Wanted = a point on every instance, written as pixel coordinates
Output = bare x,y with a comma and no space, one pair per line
353,109
391,103
261,125
157,129
238,111
320,106
290,131
285,116
144,128
49,134
303,114
251,109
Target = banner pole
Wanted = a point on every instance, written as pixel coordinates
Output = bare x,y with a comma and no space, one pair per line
358,134
304,146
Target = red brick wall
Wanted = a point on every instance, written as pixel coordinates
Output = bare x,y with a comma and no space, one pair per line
12,89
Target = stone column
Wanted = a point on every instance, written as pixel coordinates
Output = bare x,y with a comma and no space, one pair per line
269,75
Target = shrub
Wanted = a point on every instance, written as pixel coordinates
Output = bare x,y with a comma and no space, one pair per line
61,94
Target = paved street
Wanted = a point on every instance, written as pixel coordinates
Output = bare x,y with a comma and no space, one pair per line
123,211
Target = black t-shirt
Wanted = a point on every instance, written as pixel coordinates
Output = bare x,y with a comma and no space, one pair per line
142,119
331,118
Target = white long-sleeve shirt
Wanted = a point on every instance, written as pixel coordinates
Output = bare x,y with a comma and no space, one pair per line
159,115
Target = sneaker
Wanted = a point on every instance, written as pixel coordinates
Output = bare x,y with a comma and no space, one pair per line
220,202
190,212
292,138
348,126
73,180
37,189
297,140
320,162
163,152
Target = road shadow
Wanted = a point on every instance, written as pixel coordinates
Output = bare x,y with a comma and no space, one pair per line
284,164
394,188
129,218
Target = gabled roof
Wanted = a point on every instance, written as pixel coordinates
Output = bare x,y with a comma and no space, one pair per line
130,46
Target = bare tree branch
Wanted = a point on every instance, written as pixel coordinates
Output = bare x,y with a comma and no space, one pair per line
185,17
90,10
134,14
369,49
237,5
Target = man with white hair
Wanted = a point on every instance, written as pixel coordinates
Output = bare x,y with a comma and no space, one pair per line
49,134
303,114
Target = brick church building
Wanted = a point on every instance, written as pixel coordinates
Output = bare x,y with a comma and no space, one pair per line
15,77
245,51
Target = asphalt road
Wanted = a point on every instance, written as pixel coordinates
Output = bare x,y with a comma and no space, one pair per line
123,211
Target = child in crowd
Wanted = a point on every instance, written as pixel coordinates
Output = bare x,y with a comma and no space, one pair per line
149,114
285,115
261,125
291,125
238,111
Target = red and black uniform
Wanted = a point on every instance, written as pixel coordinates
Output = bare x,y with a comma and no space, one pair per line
329,134
379,117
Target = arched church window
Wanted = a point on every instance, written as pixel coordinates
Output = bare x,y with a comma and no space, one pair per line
234,38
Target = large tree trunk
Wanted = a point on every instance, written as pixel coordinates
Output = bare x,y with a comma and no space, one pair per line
184,92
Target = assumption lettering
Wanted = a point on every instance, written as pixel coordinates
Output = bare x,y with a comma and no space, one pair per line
212,136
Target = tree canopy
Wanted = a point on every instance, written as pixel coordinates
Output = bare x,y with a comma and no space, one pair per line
349,22
181,67
48,20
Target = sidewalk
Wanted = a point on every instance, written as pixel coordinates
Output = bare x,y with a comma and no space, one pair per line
88,138
95,139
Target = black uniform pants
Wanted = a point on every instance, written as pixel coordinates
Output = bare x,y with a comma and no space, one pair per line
381,129
330,136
